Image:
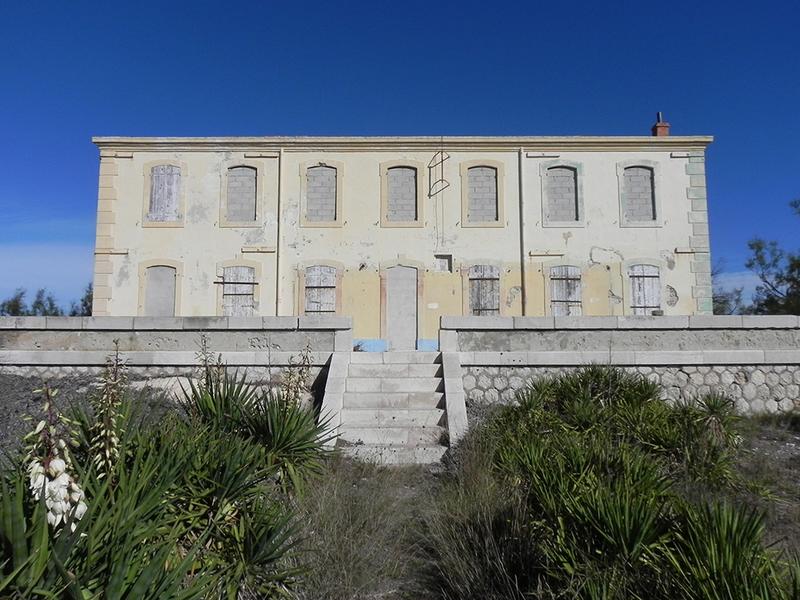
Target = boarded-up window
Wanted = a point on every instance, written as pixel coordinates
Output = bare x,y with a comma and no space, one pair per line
241,206
638,194
321,193
238,291
159,291
484,290
482,194
561,189
565,290
645,289
402,194
320,289
165,190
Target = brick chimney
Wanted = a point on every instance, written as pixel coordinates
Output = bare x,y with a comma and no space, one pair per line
660,127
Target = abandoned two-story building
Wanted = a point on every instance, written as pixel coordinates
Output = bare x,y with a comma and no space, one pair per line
399,231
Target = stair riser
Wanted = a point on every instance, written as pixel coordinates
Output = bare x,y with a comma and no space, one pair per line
391,436
391,418
395,370
399,400
394,357
420,455
394,384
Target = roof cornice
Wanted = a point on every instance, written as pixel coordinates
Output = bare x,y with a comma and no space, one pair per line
377,143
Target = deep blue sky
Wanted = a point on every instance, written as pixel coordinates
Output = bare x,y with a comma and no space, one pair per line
70,70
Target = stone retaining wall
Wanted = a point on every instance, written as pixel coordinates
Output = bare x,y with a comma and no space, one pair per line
754,359
68,354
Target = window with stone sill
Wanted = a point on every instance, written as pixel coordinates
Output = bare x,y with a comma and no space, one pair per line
484,290
165,191
645,282
565,291
562,203
482,195
241,195
159,291
320,290
401,191
638,194
321,194
238,291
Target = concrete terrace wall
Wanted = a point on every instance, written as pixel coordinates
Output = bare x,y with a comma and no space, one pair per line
754,359
69,354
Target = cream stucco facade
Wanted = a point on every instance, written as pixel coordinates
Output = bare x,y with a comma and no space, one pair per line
437,246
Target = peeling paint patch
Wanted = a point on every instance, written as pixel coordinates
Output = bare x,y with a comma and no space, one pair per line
512,294
669,258
124,272
255,235
672,296
599,255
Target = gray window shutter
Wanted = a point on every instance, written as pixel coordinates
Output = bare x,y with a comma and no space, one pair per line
565,290
645,289
159,291
242,194
484,290
165,189
402,194
321,193
482,195
638,194
561,189
238,291
320,289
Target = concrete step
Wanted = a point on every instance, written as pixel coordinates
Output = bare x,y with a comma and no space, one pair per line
370,417
393,384
390,436
395,370
393,400
395,455
371,358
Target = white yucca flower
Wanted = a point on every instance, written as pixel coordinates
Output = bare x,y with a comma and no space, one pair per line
49,468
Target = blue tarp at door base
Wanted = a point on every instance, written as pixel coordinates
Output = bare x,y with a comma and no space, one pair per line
369,345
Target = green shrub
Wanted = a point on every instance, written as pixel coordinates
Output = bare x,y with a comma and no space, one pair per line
191,506
586,482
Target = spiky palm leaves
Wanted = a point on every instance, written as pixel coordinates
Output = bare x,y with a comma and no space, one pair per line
601,466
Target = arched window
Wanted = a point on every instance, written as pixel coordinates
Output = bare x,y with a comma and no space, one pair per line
645,289
482,195
561,191
484,290
241,205
565,291
238,291
320,289
321,193
165,190
401,205
638,194
159,291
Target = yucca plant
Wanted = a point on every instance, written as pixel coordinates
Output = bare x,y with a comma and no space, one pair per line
294,437
124,546
219,401
248,553
719,555
105,430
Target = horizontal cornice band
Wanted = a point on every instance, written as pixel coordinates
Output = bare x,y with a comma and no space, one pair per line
427,143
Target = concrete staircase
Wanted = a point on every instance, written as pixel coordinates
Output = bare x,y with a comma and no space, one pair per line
393,409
